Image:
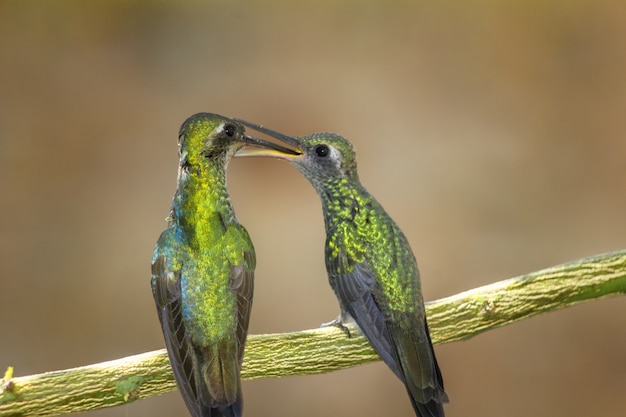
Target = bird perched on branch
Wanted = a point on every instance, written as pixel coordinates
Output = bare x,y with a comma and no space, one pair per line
203,270
370,264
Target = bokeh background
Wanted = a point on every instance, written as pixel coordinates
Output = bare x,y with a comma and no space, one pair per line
493,132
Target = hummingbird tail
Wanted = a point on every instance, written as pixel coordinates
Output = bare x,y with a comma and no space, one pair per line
430,409
420,371
233,410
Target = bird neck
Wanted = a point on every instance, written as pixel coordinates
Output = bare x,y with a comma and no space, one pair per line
342,201
202,205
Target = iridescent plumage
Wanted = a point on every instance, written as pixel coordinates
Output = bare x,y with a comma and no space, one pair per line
203,270
370,265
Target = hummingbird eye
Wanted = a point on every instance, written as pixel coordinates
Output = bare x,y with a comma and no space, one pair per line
322,151
229,130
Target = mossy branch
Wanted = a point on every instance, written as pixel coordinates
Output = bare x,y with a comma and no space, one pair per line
458,317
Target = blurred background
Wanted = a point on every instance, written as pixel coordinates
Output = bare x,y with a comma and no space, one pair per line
493,132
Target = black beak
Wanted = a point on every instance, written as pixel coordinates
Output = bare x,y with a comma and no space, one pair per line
289,140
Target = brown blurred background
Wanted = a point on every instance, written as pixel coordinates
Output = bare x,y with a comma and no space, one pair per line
492,132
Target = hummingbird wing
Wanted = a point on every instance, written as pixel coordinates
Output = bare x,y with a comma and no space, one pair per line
242,283
354,291
167,296
407,350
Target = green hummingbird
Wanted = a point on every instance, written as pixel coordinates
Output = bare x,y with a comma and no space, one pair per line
203,270
370,265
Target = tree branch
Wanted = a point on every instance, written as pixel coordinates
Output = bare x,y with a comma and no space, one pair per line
458,317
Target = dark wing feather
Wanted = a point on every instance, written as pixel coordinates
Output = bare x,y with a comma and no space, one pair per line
354,291
409,354
242,283
167,296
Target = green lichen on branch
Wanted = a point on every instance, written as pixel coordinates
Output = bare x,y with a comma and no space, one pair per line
316,351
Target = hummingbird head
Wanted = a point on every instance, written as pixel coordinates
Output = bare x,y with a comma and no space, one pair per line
207,137
323,158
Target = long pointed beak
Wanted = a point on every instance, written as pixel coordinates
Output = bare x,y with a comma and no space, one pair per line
259,147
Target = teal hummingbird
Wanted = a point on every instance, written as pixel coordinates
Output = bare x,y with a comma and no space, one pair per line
370,265
203,271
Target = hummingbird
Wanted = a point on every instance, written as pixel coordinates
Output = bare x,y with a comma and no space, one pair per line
203,270
370,264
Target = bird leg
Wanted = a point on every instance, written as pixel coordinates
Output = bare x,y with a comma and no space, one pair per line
339,323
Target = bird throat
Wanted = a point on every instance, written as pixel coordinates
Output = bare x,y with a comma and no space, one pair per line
203,208
342,202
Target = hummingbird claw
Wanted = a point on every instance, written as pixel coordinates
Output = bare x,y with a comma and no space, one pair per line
338,322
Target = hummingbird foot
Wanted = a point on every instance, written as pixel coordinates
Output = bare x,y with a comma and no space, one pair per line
338,322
